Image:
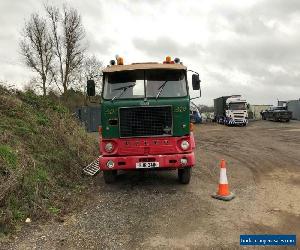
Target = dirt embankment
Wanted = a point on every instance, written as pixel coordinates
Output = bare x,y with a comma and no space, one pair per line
153,211
42,151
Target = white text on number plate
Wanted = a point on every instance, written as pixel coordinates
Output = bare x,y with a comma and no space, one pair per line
147,165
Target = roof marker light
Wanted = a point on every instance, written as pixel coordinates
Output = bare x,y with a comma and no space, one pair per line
120,61
168,60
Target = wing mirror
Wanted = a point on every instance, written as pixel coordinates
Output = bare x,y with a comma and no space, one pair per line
90,88
196,82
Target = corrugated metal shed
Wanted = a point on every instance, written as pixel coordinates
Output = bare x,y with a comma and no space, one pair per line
294,106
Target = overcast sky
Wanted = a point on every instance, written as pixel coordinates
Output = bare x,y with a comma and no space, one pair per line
238,47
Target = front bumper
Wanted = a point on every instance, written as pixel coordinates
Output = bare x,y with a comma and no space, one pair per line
165,161
283,117
237,121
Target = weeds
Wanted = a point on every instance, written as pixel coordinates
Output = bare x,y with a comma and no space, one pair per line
16,210
8,156
54,210
42,151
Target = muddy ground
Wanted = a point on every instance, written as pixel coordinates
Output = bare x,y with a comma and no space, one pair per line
153,211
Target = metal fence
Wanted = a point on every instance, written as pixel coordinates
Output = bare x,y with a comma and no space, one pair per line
90,117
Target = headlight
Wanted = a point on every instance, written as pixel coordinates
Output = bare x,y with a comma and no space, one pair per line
109,147
185,145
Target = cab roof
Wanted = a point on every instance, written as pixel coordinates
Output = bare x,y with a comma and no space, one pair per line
136,66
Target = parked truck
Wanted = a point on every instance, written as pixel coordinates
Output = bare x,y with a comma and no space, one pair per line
145,118
277,114
231,110
195,115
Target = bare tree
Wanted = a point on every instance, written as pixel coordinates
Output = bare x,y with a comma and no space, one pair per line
32,85
67,34
91,68
36,47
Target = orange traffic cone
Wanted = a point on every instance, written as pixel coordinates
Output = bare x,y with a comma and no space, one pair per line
223,192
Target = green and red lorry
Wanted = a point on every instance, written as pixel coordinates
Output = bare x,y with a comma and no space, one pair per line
145,118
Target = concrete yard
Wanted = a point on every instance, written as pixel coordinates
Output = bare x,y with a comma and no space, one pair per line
153,211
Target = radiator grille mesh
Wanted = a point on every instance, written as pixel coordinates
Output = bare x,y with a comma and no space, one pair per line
145,121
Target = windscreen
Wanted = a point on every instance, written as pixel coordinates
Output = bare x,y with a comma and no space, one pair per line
135,83
169,83
280,108
237,106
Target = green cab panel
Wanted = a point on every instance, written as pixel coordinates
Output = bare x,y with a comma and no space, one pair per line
180,113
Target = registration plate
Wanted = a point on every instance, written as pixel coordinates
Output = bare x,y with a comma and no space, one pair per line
147,165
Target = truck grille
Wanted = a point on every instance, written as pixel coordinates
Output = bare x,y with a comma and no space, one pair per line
145,121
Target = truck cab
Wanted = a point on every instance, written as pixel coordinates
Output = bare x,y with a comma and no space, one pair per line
145,119
236,111
277,114
231,110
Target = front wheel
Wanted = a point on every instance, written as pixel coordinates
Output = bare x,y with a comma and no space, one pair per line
226,122
184,175
110,176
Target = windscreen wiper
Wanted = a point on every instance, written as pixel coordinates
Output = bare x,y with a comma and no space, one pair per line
161,89
122,92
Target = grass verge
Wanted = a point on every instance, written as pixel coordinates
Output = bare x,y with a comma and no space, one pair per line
42,151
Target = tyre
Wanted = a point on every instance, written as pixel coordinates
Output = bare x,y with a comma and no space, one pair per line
110,176
288,120
184,175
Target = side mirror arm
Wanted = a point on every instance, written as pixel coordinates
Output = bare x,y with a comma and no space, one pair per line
193,71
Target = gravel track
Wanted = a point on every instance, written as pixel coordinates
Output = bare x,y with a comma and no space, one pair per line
152,211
